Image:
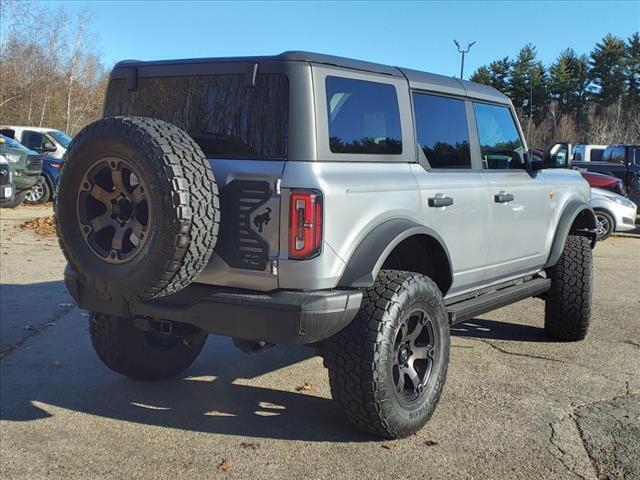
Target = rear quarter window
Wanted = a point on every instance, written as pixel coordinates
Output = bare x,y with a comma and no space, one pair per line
363,117
224,115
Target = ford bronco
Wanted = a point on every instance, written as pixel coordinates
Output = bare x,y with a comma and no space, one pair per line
357,208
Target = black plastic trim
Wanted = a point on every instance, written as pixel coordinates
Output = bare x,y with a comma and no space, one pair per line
283,316
467,309
370,254
569,215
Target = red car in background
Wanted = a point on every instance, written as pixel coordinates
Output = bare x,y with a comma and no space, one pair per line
595,180
606,182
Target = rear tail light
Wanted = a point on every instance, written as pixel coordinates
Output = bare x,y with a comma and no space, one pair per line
305,224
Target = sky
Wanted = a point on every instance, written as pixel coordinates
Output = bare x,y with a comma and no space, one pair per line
410,34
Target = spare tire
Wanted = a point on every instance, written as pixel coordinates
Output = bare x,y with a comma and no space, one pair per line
137,208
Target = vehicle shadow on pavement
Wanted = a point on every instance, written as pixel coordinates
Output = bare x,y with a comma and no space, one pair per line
496,330
197,401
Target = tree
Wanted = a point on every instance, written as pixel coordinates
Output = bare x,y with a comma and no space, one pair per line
500,72
528,77
632,73
608,64
481,75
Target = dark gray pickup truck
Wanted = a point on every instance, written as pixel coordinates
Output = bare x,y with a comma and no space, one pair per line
622,161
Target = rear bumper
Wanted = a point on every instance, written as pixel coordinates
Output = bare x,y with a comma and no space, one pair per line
282,316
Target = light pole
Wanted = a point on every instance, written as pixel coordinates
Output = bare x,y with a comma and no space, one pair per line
463,52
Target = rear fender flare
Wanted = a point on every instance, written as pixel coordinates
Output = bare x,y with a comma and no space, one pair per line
372,251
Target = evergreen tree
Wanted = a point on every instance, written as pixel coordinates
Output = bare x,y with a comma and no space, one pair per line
481,75
633,72
500,72
528,76
608,66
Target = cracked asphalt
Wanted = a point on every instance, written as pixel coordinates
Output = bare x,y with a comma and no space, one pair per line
515,405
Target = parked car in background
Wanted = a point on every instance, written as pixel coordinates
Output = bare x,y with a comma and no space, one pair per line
7,187
605,182
25,166
614,213
622,161
46,188
588,153
46,141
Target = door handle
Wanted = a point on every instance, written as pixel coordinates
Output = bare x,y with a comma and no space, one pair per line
440,201
503,197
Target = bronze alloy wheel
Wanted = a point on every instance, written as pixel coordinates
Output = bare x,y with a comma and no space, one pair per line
414,352
114,210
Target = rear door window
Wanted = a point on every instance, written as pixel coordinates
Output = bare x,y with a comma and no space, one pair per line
442,131
363,117
224,115
500,143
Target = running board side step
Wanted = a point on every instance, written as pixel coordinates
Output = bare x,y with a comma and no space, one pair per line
471,308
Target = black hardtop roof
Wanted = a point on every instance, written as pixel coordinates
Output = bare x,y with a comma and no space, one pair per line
417,79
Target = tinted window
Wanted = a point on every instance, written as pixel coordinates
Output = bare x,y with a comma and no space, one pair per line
224,115
577,153
500,143
33,140
363,117
616,155
596,154
441,127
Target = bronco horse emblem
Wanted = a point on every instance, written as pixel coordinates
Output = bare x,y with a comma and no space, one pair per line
262,219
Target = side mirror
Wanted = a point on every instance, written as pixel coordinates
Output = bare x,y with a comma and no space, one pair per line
48,147
557,155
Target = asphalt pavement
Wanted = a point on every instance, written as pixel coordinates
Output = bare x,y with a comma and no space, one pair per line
515,405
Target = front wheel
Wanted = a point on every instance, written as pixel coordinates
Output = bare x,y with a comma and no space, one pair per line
16,202
41,193
604,225
388,366
568,302
144,355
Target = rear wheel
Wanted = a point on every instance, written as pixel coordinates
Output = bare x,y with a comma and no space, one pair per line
144,355
387,368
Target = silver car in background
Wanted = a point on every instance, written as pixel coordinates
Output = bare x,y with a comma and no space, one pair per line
614,213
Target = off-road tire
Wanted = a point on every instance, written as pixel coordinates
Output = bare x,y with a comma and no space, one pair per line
16,202
182,193
568,302
142,355
359,357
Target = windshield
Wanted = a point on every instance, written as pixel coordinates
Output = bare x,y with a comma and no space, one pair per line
224,115
60,137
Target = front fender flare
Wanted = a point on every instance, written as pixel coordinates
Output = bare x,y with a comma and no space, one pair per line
567,219
370,254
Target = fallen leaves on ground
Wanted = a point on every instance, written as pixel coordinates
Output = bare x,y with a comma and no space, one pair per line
249,445
389,445
43,226
225,465
430,443
59,363
305,387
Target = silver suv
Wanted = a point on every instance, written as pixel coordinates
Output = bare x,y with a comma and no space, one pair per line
357,208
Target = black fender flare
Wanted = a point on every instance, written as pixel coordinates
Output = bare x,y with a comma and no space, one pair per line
567,219
369,256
